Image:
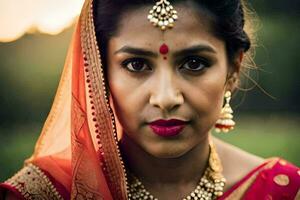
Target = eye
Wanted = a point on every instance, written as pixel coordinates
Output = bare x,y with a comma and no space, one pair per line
195,63
136,65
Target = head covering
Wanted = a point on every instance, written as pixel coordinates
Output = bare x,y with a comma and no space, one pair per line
81,130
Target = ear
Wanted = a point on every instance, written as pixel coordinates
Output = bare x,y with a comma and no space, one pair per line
232,81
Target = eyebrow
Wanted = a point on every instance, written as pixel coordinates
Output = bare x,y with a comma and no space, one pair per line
143,52
136,51
194,50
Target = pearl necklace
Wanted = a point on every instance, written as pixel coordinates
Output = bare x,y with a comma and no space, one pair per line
210,186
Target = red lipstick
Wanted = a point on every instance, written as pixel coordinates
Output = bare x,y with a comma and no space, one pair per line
167,128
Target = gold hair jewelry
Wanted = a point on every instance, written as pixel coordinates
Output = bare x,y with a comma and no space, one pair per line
225,123
210,186
163,15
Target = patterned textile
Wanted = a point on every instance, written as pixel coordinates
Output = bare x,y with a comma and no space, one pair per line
32,183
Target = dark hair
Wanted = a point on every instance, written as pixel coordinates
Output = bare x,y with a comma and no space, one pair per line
228,21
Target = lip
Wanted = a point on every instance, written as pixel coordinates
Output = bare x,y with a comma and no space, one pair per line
167,128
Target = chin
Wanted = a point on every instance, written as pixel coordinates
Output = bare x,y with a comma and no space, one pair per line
168,150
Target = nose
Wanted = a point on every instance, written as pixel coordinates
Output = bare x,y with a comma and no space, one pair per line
165,93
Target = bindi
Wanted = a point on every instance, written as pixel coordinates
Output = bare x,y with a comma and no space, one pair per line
164,49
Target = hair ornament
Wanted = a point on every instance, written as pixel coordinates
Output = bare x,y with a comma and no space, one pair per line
163,15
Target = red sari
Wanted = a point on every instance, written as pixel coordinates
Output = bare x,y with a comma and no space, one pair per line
77,155
275,179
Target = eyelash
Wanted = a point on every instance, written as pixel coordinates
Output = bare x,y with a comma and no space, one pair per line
202,61
131,60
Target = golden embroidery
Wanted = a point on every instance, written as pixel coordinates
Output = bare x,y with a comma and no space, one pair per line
78,116
282,180
104,117
80,190
32,183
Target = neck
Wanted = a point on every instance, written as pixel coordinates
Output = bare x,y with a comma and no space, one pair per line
186,169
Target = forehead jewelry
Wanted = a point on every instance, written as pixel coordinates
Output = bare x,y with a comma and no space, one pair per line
163,15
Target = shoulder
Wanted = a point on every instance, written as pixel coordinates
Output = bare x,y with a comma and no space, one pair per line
236,162
258,178
30,182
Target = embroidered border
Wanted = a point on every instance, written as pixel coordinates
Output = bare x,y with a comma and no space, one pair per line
103,116
32,183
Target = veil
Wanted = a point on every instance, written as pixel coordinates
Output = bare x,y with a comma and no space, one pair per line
78,144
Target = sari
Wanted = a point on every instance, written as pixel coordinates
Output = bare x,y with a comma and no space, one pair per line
77,154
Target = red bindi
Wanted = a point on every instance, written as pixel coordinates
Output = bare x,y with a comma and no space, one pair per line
164,49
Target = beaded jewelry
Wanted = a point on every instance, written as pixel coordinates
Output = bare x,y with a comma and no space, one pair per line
163,15
210,186
225,123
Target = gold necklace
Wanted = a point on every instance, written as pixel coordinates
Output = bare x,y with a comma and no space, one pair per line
210,186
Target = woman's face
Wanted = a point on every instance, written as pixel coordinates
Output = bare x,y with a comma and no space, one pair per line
188,83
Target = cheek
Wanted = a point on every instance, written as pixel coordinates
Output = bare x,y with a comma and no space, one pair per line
207,97
124,94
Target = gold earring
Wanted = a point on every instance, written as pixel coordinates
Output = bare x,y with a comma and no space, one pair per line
225,122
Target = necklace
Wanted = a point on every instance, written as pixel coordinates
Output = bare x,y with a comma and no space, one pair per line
210,185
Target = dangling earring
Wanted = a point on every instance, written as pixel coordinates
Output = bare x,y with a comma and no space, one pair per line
225,122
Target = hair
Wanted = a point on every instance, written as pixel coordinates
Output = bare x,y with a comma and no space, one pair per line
230,22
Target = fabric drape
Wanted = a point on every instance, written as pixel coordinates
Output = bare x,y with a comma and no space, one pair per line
80,132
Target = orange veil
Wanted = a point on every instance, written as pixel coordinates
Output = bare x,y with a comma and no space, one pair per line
78,145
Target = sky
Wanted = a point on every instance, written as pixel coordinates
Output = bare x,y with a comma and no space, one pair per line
18,17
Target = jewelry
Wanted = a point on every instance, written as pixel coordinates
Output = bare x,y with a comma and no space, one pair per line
210,185
225,122
163,15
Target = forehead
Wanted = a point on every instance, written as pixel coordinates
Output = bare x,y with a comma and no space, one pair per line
190,29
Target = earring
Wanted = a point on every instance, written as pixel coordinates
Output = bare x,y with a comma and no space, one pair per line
225,122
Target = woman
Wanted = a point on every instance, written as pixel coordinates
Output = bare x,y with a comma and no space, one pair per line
135,123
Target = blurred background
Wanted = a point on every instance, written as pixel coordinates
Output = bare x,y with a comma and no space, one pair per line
34,38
